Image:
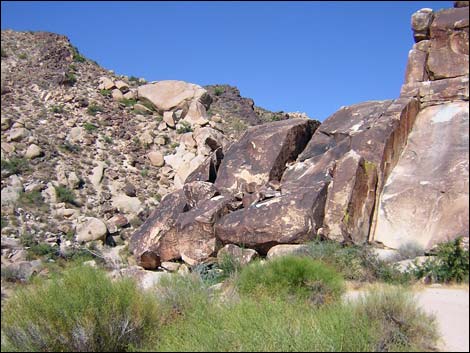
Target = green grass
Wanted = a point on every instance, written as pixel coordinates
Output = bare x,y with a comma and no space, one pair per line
90,127
105,92
32,199
77,57
64,194
289,276
15,165
218,91
185,127
93,108
22,56
80,310
128,102
57,109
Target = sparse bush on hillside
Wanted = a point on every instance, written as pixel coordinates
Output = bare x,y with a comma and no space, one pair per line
289,276
90,127
128,102
218,91
22,56
15,165
451,264
185,127
94,108
64,194
105,92
4,53
32,199
80,310
77,57
57,108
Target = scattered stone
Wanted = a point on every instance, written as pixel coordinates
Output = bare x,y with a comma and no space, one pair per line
156,158
89,229
33,151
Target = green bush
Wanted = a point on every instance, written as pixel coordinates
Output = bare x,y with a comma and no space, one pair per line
90,127
105,92
451,264
32,198
15,165
185,127
401,325
218,91
356,263
22,56
80,310
291,276
77,57
70,79
128,102
93,109
4,53
271,324
64,194
57,109
69,147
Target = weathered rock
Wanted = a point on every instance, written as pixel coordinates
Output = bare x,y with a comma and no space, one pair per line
196,114
33,151
420,22
351,198
126,204
168,119
97,174
167,95
121,85
415,69
141,108
208,140
156,239
188,140
195,229
90,229
290,218
17,134
207,170
170,266
106,83
129,189
445,63
156,158
262,153
423,206
117,95
287,249
198,191
241,255
145,279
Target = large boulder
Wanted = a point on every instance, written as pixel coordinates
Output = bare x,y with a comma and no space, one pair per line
426,196
172,95
155,240
262,153
289,218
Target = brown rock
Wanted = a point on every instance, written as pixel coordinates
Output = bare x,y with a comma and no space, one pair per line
168,119
197,191
445,63
290,218
351,197
241,255
156,158
157,237
263,151
420,22
425,199
207,171
415,68
461,3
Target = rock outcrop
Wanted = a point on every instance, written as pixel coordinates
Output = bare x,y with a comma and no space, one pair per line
391,172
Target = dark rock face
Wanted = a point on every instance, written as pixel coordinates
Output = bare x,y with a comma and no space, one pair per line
155,240
262,153
289,218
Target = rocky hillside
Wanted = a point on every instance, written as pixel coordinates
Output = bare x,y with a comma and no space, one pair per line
86,154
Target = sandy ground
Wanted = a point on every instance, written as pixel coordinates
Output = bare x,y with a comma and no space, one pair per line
451,309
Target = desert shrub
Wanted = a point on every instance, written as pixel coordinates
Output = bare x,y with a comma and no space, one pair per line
57,108
291,277
229,265
77,57
15,165
32,199
22,56
451,264
182,295
69,78
410,250
357,263
93,108
400,323
90,127
185,127
79,310
209,273
64,194
128,102
105,92
69,147
4,53
218,91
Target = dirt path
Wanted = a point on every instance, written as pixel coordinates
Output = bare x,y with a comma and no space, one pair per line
451,309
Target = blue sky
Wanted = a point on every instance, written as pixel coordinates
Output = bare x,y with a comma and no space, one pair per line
293,56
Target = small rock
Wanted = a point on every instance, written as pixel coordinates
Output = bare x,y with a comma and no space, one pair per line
117,95
122,86
129,190
91,229
287,249
33,151
170,266
168,119
156,158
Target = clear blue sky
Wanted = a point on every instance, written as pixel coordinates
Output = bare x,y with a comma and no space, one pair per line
293,56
